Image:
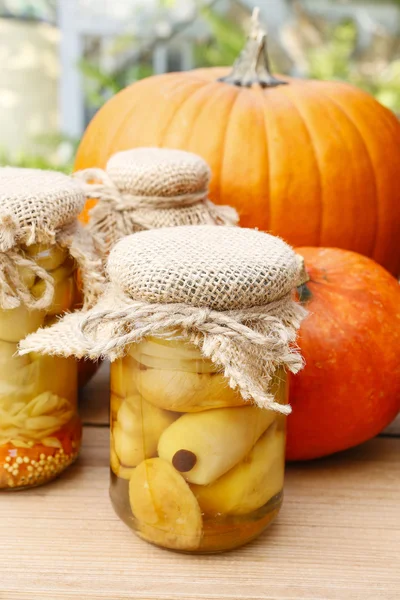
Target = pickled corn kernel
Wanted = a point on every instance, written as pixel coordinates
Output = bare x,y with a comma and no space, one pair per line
21,474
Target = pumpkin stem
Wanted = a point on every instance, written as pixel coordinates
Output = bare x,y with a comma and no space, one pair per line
303,276
252,65
305,294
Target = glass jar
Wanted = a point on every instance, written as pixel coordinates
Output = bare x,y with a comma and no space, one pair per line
40,431
194,467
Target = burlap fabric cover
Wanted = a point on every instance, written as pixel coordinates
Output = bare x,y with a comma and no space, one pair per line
41,207
148,188
227,290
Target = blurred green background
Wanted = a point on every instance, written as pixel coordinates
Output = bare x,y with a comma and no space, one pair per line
62,59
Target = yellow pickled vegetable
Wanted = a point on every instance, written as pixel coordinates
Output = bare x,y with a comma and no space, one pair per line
9,359
55,374
173,374
138,429
184,391
63,271
116,467
19,383
165,508
174,349
205,445
115,403
63,298
47,257
251,483
122,377
35,419
17,323
27,276
176,364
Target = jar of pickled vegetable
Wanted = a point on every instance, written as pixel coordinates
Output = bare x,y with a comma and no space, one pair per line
193,464
40,250
200,324
149,188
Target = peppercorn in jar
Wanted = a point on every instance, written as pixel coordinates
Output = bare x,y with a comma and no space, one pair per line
41,247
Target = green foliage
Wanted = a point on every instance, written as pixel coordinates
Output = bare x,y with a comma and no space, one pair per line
225,44
31,161
30,9
332,61
386,86
51,153
100,85
337,60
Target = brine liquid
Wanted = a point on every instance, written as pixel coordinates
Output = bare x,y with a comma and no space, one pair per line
194,467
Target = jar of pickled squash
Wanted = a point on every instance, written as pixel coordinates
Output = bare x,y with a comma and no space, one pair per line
200,324
194,466
149,188
40,250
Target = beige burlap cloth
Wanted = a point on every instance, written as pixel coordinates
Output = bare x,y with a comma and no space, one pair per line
149,188
227,290
42,207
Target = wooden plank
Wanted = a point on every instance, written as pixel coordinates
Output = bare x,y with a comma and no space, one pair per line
337,538
394,428
94,398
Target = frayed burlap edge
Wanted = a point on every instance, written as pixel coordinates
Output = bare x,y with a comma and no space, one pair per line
13,290
248,345
81,246
118,214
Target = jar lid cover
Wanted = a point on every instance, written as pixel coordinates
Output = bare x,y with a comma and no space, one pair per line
158,172
35,204
223,268
225,289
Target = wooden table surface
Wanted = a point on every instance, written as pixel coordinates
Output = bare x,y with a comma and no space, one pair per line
336,538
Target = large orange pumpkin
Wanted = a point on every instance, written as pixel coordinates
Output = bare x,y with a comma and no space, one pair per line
314,162
349,389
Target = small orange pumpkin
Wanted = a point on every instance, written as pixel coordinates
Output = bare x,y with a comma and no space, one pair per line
315,162
349,389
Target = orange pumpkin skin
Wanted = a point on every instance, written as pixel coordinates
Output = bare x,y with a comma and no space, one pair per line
315,162
349,389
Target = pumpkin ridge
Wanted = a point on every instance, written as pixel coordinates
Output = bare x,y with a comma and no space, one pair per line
127,117
187,97
367,153
224,139
202,109
268,161
348,153
390,128
287,91
204,85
